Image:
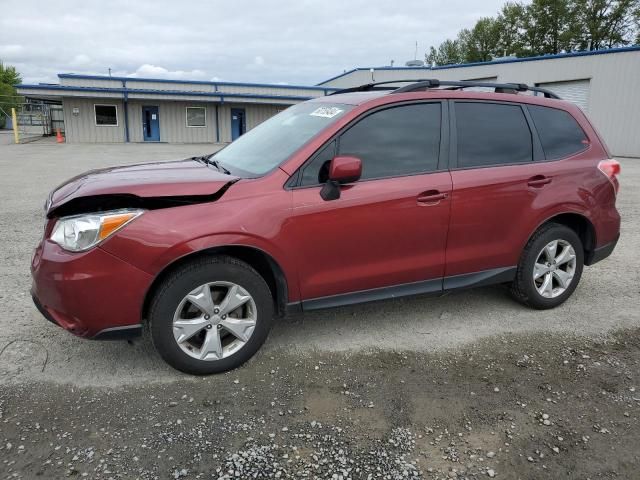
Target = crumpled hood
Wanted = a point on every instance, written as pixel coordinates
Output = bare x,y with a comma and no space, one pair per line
182,178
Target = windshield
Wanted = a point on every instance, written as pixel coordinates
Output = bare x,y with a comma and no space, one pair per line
273,141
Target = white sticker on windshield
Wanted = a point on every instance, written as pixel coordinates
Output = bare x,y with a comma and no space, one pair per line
326,112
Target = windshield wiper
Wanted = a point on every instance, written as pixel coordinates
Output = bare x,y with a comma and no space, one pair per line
207,159
216,164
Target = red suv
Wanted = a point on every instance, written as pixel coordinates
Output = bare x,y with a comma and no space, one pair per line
349,198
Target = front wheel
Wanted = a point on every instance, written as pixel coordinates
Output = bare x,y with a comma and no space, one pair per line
550,267
211,315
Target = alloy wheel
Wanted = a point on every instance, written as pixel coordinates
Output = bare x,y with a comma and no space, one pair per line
214,320
554,269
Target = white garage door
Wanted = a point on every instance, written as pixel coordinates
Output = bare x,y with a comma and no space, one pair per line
576,91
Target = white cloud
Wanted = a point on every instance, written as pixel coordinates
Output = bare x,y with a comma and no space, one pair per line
299,42
81,60
154,71
11,52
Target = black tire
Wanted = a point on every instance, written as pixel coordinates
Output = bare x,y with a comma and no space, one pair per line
178,284
523,288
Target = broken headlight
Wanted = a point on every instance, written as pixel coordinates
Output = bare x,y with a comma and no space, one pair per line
81,232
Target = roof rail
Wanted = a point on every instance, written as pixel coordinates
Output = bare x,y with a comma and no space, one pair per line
367,87
425,84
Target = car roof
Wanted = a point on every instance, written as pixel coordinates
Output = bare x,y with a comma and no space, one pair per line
351,98
387,96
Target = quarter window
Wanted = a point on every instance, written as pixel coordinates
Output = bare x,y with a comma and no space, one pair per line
196,117
106,115
491,134
559,133
316,171
396,141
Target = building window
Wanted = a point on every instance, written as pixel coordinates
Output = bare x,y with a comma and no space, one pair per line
106,115
196,117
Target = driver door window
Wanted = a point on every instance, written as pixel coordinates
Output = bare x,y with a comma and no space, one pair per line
397,141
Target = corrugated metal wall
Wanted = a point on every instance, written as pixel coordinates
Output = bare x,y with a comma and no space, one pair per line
173,125
90,82
82,128
614,97
260,102
255,115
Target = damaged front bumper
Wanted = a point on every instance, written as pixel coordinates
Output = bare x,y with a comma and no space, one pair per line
91,294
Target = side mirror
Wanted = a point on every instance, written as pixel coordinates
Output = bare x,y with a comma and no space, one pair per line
341,170
345,169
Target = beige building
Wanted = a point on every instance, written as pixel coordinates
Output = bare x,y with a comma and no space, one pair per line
102,109
604,83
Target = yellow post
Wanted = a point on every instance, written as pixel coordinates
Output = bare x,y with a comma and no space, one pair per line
14,118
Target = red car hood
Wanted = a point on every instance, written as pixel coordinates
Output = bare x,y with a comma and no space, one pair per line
162,179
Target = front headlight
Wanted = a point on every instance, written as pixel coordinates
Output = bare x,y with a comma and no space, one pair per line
81,232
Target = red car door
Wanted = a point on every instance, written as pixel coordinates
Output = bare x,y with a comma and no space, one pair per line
388,229
496,184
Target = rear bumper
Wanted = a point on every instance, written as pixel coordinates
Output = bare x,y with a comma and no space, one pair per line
601,253
90,294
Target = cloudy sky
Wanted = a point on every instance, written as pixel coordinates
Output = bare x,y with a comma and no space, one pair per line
295,42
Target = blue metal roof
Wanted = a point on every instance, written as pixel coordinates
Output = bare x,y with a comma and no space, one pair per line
194,82
496,62
128,91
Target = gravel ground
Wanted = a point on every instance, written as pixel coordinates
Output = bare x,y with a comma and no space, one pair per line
525,407
469,385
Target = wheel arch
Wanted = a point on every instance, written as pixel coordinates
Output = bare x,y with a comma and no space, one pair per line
261,261
580,224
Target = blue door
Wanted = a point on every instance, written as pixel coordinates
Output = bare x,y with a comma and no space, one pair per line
150,124
238,123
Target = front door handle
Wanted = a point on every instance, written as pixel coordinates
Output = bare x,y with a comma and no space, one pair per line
538,181
431,197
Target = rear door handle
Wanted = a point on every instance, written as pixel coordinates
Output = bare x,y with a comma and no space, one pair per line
538,181
431,197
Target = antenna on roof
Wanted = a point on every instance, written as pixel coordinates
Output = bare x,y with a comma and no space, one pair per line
415,62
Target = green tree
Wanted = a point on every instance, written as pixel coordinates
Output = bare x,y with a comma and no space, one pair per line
480,44
552,24
605,23
544,27
9,75
511,27
636,15
447,53
9,78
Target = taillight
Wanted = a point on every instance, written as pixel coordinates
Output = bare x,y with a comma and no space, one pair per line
611,169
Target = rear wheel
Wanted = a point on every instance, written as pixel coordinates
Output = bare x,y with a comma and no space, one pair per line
211,315
550,267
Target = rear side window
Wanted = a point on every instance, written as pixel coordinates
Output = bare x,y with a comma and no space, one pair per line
396,141
491,134
559,132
